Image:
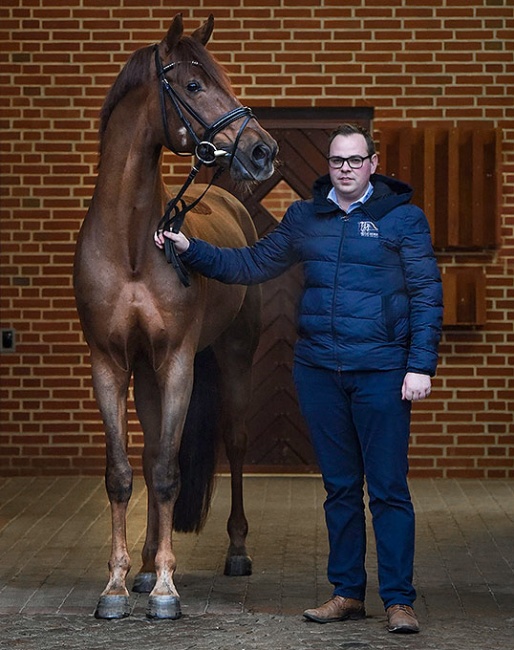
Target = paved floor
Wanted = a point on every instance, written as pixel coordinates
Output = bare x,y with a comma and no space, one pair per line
54,546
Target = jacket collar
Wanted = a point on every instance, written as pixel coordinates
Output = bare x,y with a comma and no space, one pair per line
388,193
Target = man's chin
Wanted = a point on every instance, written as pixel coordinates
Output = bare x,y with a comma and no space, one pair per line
347,186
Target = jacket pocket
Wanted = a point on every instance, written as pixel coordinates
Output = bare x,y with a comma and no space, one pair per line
395,308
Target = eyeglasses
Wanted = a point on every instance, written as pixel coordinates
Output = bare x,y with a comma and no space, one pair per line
354,162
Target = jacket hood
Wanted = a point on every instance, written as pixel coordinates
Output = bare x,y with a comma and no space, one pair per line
388,193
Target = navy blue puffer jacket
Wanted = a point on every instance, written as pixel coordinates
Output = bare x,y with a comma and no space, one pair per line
372,296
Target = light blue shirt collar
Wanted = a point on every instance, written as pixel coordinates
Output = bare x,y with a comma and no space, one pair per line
333,197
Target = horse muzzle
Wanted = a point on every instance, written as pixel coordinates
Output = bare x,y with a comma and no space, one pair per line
252,163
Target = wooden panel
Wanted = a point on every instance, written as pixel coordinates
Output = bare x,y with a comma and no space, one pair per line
440,163
429,178
464,296
454,173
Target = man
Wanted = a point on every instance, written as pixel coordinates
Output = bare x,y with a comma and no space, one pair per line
369,326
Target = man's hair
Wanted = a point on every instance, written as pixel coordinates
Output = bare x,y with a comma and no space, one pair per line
350,129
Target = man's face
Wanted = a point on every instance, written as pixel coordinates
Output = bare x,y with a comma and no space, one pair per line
350,184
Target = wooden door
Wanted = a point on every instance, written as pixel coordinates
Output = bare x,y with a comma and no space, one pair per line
278,438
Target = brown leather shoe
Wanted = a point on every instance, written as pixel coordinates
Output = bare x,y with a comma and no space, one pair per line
402,619
337,609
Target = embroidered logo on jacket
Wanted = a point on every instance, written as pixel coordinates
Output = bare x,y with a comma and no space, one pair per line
368,229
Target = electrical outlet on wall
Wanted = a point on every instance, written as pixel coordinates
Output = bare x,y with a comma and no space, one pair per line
8,340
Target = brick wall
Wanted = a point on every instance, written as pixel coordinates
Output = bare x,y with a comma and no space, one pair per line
415,61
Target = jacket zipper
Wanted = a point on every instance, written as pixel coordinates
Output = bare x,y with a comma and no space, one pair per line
344,218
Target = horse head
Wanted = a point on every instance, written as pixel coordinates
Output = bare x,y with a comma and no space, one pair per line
200,111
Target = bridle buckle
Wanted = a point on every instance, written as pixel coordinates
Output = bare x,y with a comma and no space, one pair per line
207,152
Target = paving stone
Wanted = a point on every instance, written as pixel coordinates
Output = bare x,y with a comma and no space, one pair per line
54,547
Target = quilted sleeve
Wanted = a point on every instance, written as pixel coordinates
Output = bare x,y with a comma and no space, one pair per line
264,260
424,288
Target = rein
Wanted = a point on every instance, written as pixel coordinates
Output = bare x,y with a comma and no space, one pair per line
205,151
173,218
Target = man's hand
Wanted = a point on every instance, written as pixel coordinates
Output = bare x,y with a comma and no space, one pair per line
416,386
181,241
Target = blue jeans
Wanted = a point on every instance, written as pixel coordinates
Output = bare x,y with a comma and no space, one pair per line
360,428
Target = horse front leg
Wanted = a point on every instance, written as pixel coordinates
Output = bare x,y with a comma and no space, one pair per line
145,579
147,399
164,599
111,385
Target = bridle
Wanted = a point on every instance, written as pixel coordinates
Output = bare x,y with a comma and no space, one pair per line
205,152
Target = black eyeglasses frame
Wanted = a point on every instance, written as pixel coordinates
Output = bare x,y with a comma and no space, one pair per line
347,160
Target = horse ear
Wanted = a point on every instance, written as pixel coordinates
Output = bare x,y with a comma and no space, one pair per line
204,32
174,33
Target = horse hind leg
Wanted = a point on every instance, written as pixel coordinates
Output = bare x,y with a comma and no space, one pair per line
237,562
235,354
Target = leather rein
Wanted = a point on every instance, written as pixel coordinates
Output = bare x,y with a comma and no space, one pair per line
205,152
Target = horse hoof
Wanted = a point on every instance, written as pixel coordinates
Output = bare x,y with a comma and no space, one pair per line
111,607
163,607
238,565
144,583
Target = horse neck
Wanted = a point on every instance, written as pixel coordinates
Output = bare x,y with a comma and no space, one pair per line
129,192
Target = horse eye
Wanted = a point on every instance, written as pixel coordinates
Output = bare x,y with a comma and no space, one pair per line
193,87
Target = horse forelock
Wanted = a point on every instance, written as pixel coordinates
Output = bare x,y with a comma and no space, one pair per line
188,49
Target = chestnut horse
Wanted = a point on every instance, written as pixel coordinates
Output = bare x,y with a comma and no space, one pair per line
188,349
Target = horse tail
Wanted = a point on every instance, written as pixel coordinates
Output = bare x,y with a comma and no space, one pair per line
198,450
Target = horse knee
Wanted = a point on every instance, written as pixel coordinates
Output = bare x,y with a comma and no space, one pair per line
166,485
118,482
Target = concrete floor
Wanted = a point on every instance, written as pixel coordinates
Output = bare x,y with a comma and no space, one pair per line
55,543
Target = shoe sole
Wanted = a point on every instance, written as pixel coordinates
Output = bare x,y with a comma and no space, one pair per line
403,630
349,617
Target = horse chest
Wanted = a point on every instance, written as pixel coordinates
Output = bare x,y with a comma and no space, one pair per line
131,311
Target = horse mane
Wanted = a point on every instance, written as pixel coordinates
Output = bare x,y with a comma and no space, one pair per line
132,75
135,73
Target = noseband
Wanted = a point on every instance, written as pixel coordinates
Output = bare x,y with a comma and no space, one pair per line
206,153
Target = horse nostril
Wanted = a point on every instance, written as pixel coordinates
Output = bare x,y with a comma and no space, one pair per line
261,154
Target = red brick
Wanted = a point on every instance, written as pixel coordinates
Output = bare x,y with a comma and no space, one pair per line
417,65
